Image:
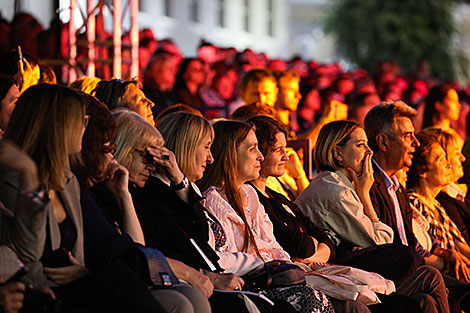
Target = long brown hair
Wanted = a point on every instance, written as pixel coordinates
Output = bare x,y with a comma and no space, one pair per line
223,172
45,119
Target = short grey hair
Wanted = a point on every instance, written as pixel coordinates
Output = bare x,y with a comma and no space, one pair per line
381,119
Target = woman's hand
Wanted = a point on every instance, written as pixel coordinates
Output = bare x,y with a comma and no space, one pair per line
11,296
225,281
294,165
67,274
167,161
201,282
364,180
454,265
117,178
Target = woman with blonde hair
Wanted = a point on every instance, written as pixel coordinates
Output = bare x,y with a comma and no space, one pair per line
159,198
186,134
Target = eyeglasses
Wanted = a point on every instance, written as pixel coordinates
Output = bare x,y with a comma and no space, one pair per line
147,158
86,120
109,149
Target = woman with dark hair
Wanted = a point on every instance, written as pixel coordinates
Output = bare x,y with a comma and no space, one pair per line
442,107
117,93
245,224
189,79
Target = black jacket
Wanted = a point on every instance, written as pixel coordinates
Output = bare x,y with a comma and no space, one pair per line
383,206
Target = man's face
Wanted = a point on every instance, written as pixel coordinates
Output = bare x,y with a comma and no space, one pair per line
264,92
7,105
289,95
402,143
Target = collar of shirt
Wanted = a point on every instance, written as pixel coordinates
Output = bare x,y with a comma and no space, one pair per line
390,182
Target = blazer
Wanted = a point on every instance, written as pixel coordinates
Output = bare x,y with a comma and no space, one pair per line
383,206
42,229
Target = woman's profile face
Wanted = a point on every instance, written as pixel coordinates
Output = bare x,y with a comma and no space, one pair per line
203,156
438,173
456,158
274,163
249,158
140,103
354,152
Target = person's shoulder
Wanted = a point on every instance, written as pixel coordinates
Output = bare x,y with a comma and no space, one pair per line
212,196
329,181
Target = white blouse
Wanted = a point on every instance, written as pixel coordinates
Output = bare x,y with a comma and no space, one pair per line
234,227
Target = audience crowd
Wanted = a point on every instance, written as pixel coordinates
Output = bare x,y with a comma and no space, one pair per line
181,190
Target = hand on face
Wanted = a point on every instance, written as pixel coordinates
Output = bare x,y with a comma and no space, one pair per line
363,180
167,161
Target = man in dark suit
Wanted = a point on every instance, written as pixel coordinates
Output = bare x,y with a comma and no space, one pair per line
391,137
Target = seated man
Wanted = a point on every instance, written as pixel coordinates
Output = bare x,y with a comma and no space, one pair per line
257,86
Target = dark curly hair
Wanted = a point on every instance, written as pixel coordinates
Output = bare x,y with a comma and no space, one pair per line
266,130
88,166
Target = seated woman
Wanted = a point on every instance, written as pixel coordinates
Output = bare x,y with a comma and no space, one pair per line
117,93
235,204
453,197
429,173
338,202
442,107
98,171
48,124
189,79
304,241
140,149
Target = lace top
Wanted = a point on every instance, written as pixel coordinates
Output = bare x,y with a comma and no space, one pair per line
234,228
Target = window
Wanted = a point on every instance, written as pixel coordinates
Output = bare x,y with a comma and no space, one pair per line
167,8
220,13
193,10
246,15
270,18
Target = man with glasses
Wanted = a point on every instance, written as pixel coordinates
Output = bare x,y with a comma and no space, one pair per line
391,137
